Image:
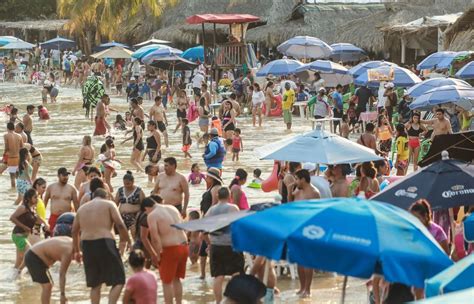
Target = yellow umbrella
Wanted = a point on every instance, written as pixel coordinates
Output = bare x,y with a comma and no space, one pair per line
115,52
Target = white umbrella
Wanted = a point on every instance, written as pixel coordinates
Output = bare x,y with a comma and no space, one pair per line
317,146
330,80
152,41
305,47
18,45
115,52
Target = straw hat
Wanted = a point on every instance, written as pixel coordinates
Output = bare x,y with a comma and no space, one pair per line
215,174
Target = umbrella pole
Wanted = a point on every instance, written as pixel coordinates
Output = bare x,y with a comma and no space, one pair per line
344,284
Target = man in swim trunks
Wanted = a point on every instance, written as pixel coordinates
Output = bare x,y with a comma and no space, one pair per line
440,124
101,124
158,114
11,155
41,256
63,197
93,227
28,122
172,186
170,250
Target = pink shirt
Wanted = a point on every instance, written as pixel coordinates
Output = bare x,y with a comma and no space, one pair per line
143,287
243,204
437,232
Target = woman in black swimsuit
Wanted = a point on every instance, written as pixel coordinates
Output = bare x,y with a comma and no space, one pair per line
228,120
153,144
138,146
182,105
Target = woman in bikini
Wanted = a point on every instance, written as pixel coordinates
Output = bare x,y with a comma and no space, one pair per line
368,184
86,155
109,162
153,144
414,130
204,114
384,134
228,120
181,106
138,147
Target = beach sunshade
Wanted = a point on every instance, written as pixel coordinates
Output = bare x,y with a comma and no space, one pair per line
7,39
279,67
92,91
305,47
459,145
115,52
439,60
399,76
173,63
346,52
350,236
462,296
461,96
467,71
151,41
331,80
194,54
161,53
58,43
145,50
469,228
325,66
18,45
429,84
362,67
108,45
445,184
457,277
319,147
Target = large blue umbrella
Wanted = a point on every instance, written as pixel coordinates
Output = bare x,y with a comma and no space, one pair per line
305,47
364,66
462,96
143,51
457,277
439,60
18,45
346,52
194,54
350,236
426,85
462,296
58,43
399,76
7,39
161,53
446,183
279,67
469,228
109,45
467,71
325,66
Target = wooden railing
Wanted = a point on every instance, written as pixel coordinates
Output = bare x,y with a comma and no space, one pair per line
230,55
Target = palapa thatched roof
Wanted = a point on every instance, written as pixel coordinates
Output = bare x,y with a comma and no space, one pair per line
42,25
460,35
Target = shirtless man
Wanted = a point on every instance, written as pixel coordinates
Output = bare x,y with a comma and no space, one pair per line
20,129
339,184
62,195
368,139
137,110
11,155
158,114
169,247
41,256
101,124
28,122
304,191
92,232
440,124
171,186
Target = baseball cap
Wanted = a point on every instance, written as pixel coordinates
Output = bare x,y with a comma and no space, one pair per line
63,171
214,132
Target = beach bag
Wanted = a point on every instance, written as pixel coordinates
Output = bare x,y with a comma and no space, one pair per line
193,113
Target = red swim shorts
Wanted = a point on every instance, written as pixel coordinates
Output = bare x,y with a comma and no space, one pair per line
413,143
186,148
173,263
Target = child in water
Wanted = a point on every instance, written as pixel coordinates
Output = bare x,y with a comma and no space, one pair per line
237,145
256,176
196,176
187,141
345,129
120,123
194,239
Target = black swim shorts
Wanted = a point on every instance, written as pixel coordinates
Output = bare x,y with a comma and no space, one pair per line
102,263
161,126
38,270
224,261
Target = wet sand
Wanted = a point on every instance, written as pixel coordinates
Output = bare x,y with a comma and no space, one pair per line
59,140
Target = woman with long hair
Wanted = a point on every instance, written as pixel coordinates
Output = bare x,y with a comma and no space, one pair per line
181,107
237,194
23,179
204,113
109,162
414,130
258,98
40,186
138,147
269,97
85,157
25,219
384,134
228,120
402,150
368,184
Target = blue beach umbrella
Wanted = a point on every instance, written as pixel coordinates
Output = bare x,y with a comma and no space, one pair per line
439,60
305,47
462,96
58,43
467,71
325,66
469,228
359,69
279,67
346,52
7,39
458,297
399,76
143,51
457,277
161,53
18,45
194,54
350,236
429,84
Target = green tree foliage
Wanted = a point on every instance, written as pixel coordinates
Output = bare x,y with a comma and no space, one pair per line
14,10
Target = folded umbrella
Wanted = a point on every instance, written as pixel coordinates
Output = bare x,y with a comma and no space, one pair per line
429,84
459,145
467,71
457,277
279,67
305,47
461,96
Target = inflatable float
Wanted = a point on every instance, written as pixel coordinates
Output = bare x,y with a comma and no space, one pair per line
271,183
277,110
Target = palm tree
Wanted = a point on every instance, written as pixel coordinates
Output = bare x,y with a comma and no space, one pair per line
92,20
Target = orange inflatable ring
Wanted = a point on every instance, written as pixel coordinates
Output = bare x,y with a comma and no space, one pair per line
277,110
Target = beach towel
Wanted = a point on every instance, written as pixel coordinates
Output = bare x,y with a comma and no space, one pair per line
91,92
